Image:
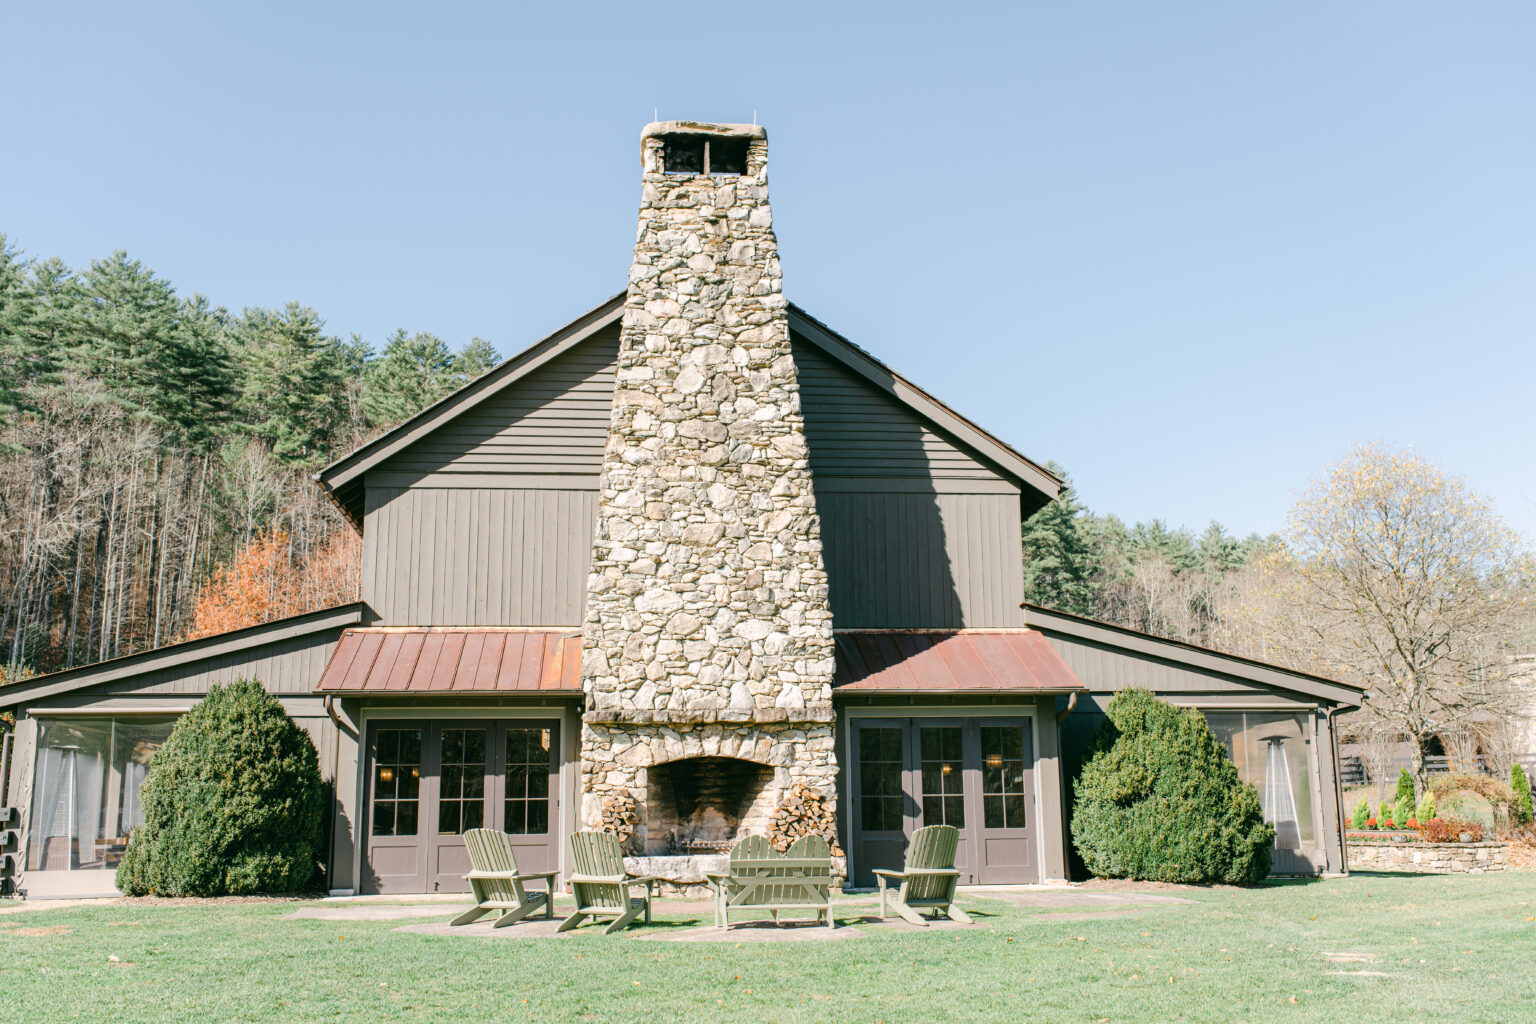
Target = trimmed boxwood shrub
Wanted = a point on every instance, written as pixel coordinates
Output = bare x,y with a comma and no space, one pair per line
1160,800
232,803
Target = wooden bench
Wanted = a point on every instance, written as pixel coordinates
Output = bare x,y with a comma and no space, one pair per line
761,878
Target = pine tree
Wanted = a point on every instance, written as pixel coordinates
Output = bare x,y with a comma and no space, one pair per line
1060,568
475,359
128,319
195,379
413,371
293,386
15,335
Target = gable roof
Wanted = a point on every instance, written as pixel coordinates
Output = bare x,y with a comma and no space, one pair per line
1134,643
173,655
343,479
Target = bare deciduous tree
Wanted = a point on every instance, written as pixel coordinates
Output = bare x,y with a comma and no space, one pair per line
1400,578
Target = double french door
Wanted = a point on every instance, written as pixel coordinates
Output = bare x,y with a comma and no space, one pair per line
975,774
430,782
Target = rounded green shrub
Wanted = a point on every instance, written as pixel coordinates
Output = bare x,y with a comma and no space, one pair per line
1159,799
1426,809
232,803
1362,814
1521,809
1384,815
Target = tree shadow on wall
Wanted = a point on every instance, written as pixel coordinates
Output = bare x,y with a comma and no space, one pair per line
882,526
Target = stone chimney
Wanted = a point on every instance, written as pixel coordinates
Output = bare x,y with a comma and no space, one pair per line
707,633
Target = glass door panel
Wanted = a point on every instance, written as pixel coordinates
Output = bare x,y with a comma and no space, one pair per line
1003,797
530,755
461,796
942,774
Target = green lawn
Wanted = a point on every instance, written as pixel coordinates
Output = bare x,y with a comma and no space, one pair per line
1432,949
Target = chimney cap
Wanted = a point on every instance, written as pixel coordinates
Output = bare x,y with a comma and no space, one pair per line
739,131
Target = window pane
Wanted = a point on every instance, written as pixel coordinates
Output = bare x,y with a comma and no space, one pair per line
383,817
86,789
448,817
405,818
538,817
408,779
992,811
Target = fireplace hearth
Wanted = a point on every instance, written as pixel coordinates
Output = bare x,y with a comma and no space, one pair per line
704,804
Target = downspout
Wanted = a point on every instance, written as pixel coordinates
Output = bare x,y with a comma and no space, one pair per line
1338,790
342,727
1061,787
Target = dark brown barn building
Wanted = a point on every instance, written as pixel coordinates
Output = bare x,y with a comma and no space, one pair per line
694,547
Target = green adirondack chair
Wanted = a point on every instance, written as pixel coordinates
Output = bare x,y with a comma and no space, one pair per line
601,885
929,878
498,885
761,878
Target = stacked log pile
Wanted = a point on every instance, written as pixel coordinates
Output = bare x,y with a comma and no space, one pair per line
805,811
620,816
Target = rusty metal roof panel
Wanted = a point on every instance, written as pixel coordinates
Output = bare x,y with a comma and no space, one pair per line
443,659
939,661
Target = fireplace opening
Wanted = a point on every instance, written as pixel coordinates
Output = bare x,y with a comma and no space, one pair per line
703,804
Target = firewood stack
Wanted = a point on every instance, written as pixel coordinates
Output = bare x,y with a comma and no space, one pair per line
620,816
804,812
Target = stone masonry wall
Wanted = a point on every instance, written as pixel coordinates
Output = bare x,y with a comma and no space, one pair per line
1430,858
707,612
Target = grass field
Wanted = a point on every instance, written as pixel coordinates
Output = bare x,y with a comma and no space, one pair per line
1366,948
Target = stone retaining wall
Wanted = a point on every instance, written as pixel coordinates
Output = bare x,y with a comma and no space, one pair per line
1430,858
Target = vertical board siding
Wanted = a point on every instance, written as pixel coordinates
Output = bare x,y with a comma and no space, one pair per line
922,560
456,533
940,548
473,556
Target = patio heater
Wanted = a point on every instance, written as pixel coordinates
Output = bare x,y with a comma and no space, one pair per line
59,852
1279,797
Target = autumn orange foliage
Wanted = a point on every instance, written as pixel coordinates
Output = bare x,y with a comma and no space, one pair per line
271,580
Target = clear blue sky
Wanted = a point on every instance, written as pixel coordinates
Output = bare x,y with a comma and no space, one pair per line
1192,251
